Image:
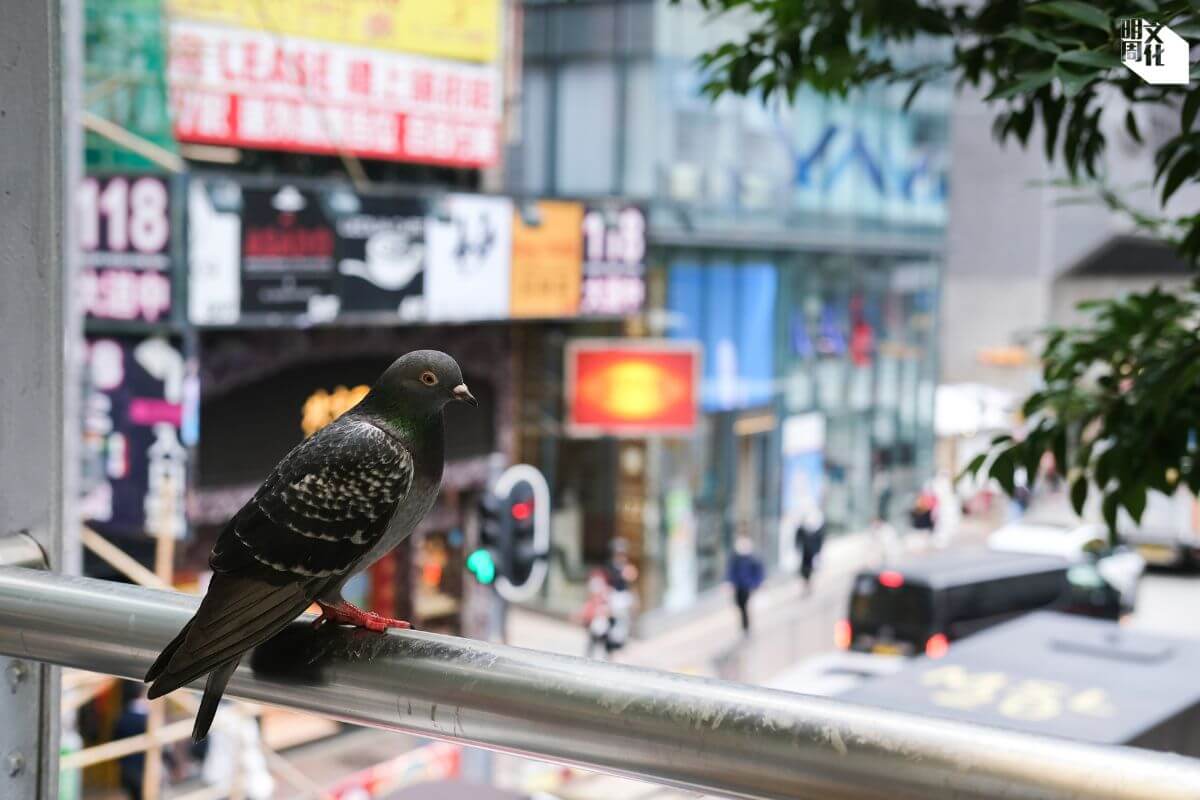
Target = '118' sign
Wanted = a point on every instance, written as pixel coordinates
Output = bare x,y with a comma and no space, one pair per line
125,232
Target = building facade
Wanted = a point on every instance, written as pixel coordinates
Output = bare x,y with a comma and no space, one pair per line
797,245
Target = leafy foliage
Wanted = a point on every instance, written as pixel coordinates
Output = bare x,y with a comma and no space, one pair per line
1053,62
1120,405
1119,408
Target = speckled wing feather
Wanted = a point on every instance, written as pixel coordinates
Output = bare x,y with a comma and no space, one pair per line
321,510
323,507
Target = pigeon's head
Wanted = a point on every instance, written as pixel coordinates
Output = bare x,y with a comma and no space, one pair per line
425,379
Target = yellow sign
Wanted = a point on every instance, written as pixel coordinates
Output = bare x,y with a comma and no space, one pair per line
464,29
322,407
1030,699
547,261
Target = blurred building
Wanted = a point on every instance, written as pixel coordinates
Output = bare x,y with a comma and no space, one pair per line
798,246
1024,248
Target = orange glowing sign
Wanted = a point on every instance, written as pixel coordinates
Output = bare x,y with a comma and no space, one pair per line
626,387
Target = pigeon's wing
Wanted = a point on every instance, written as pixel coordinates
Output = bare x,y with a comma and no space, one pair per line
321,510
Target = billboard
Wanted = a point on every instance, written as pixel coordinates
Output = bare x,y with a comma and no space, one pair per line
134,471
547,260
125,232
628,387
460,29
252,89
731,309
469,240
614,260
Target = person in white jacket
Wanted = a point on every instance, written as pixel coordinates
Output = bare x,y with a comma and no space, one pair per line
235,755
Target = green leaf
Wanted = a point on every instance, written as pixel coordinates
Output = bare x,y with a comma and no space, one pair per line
1132,127
1077,11
1072,82
1100,59
1027,37
1026,85
1185,168
1191,105
974,465
1002,470
1079,493
1133,497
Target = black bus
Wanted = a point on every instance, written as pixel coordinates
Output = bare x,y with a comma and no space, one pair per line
924,605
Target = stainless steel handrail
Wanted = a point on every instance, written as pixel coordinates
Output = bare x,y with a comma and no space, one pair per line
701,734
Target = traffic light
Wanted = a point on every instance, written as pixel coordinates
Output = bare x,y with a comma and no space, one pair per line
514,534
492,555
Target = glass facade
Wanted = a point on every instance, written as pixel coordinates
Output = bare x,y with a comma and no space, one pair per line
798,244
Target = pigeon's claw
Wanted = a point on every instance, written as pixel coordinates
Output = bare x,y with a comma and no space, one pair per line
344,613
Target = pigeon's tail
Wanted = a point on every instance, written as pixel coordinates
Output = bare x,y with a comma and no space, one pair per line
213,689
237,613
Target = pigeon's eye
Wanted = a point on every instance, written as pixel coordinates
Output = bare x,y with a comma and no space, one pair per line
428,378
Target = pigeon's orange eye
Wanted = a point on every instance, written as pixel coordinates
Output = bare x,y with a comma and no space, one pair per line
428,378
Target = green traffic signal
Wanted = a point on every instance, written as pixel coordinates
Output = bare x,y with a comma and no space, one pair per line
482,566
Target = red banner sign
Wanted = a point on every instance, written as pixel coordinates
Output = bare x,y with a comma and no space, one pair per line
253,89
622,387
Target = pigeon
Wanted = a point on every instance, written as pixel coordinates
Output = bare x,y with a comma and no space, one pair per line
333,506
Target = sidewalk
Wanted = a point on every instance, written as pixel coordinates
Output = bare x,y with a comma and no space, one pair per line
786,625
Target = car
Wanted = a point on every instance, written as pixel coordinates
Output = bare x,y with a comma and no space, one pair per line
924,605
1121,567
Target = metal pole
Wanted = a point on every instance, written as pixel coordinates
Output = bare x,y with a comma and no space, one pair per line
700,734
39,168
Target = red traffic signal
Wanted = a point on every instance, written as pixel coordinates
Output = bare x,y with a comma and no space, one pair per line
522,511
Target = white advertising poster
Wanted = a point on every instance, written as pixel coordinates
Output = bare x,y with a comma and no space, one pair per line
469,247
214,256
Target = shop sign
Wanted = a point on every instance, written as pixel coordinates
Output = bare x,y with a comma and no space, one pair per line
125,233
381,255
626,387
470,249
251,89
286,251
614,255
547,260
289,253
134,471
462,29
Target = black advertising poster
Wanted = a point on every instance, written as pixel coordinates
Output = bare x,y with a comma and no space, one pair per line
287,254
134,471
125,232
381,256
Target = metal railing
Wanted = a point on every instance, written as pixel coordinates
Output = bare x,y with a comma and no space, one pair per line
678,730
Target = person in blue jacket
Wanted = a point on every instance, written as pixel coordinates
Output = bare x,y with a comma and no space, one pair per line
746,575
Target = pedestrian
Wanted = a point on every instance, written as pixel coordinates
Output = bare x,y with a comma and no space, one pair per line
596,615
746,575
886,537
810,536
132,722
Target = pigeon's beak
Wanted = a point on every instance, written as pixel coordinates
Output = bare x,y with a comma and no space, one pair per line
461,392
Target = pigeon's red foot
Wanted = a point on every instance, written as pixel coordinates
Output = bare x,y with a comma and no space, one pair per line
344,613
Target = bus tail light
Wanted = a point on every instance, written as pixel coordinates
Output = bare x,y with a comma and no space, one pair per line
842,634
937,645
